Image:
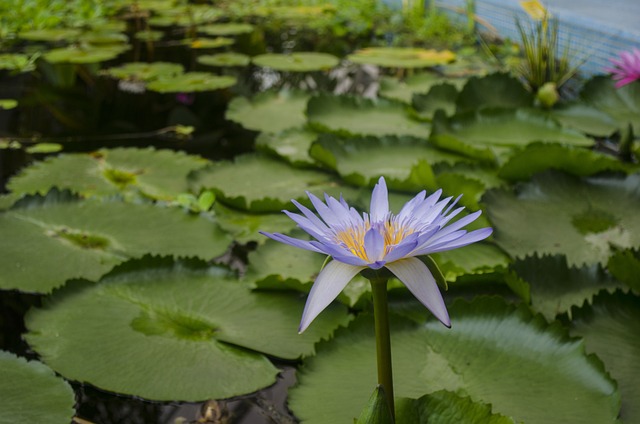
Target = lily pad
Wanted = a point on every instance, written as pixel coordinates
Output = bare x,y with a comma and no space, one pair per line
352,116
608,328
224,59
269,111
554,287
401,57
475,259
493,91
503,127
491,348
7,104
32,393
226,29
85,54
394,89
87,239
586,220
297,62
191,82
148,35
624,265
441,97
184,332
361,161
292,145
44,148
584,118
141,71
16,62
100,37
208,43
50,34
260,184
244,226
622,104
154,174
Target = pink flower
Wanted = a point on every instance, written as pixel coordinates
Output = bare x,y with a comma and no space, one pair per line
626,69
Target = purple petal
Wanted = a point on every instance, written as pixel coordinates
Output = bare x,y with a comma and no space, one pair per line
303,244
311,216
379,209
339,253
465,240
402,249
418,279
306,225
330,282
374,244
324,211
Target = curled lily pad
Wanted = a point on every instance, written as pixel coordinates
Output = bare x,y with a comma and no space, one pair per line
154,174
142,71
226,29
269,111
297,62
491,348
87,239
224,59
187,331
586,220
85,54
356,116
191,82
50,34
440,97
32,393
401,57
208,43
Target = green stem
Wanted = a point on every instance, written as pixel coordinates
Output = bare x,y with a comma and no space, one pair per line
383,339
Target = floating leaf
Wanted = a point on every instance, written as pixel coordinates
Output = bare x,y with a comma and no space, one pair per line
269,111
586,220
537,157
224,59
226,29
208,43
292,145
84,54
609,328
148,35
555,287
357,116
155,174
493,91
7,104
99,38
584,118
183,332
50,34
401,57
31,393
394,89
141,71
444,407
262,184
622,104
191,82
625,266
44,148
477,258
491,349
441,96
87,239
244,226
297,62
16,62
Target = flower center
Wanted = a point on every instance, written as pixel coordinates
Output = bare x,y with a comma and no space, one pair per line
352,238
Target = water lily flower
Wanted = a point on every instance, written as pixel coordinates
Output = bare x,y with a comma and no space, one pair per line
380,239
626,69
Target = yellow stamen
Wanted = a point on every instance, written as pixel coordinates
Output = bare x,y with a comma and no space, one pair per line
353,237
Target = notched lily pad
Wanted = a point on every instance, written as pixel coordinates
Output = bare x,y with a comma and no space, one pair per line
401,57
269,111
493,91
297,62
84,53
224,59
292,145
187,331
191,82
422,83
622,104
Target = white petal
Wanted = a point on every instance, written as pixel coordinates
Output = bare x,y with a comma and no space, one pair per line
330,282
418,279
379,202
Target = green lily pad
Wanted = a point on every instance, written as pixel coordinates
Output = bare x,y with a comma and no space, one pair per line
297,62
441,96
184,14
154,174
504,127
224,59
50,34
140,71
493,91
32,393
401,57
537,157
100,37
584,118
622,104
260,184
7,104
475,259
244,226
361,161
16,62
231,28
624,265
44,148
85,54
183,332
554,287
208,43
352,116
148,35
87,239
491,349
269,111
586,220
394,89
444,407
292,145
191,82
609,328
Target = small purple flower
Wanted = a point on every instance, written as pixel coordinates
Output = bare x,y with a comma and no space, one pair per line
380,239
185,98
626,69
